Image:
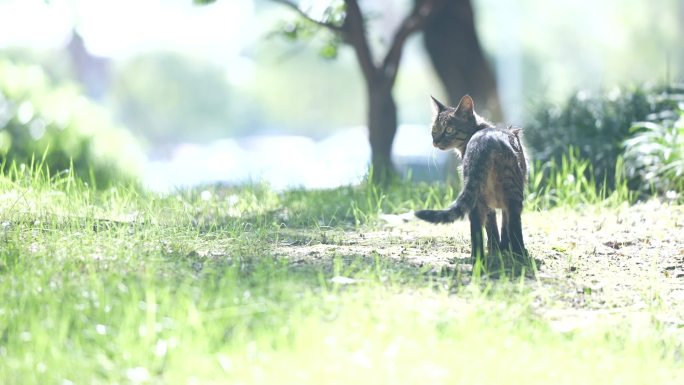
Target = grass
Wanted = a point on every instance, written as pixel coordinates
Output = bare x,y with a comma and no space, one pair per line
655,153
127,287
571,183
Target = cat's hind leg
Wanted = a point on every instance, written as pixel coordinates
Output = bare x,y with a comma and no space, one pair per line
513,238
492,233
476,217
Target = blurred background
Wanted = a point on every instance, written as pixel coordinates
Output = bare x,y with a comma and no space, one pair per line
179,94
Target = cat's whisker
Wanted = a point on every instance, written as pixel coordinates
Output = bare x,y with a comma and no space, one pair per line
433,158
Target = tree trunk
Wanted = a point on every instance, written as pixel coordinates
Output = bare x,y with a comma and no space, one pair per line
382,127
379,77
454,48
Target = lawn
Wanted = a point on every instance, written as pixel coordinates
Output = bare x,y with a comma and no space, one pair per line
251,286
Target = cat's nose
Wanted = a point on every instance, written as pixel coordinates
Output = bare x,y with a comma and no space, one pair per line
434,144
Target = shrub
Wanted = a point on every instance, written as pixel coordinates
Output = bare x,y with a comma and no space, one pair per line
654,155
595,124
167,97
61,128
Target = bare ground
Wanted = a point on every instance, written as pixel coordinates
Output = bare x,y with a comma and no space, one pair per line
596,264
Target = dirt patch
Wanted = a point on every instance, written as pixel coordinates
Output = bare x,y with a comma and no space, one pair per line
595,262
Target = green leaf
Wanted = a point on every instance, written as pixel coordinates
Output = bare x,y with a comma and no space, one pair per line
329,51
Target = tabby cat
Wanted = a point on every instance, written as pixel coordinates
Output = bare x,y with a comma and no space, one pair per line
494,175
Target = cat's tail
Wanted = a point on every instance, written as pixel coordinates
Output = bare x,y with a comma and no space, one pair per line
440,216
474,178
458,209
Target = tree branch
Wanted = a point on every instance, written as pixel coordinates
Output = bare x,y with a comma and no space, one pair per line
292,5
421,12
354,33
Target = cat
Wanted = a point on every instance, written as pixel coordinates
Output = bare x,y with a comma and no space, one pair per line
494,176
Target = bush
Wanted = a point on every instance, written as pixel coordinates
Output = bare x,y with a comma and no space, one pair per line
61,128
595,124
167,97
654,155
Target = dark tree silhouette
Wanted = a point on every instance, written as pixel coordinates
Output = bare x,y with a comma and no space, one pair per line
454,49
92,72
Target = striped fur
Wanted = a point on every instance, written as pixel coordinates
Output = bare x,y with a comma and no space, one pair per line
494,173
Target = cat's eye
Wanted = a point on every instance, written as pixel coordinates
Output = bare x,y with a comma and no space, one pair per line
449,130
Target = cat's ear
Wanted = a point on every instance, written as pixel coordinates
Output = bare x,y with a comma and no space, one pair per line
437,107
466,107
